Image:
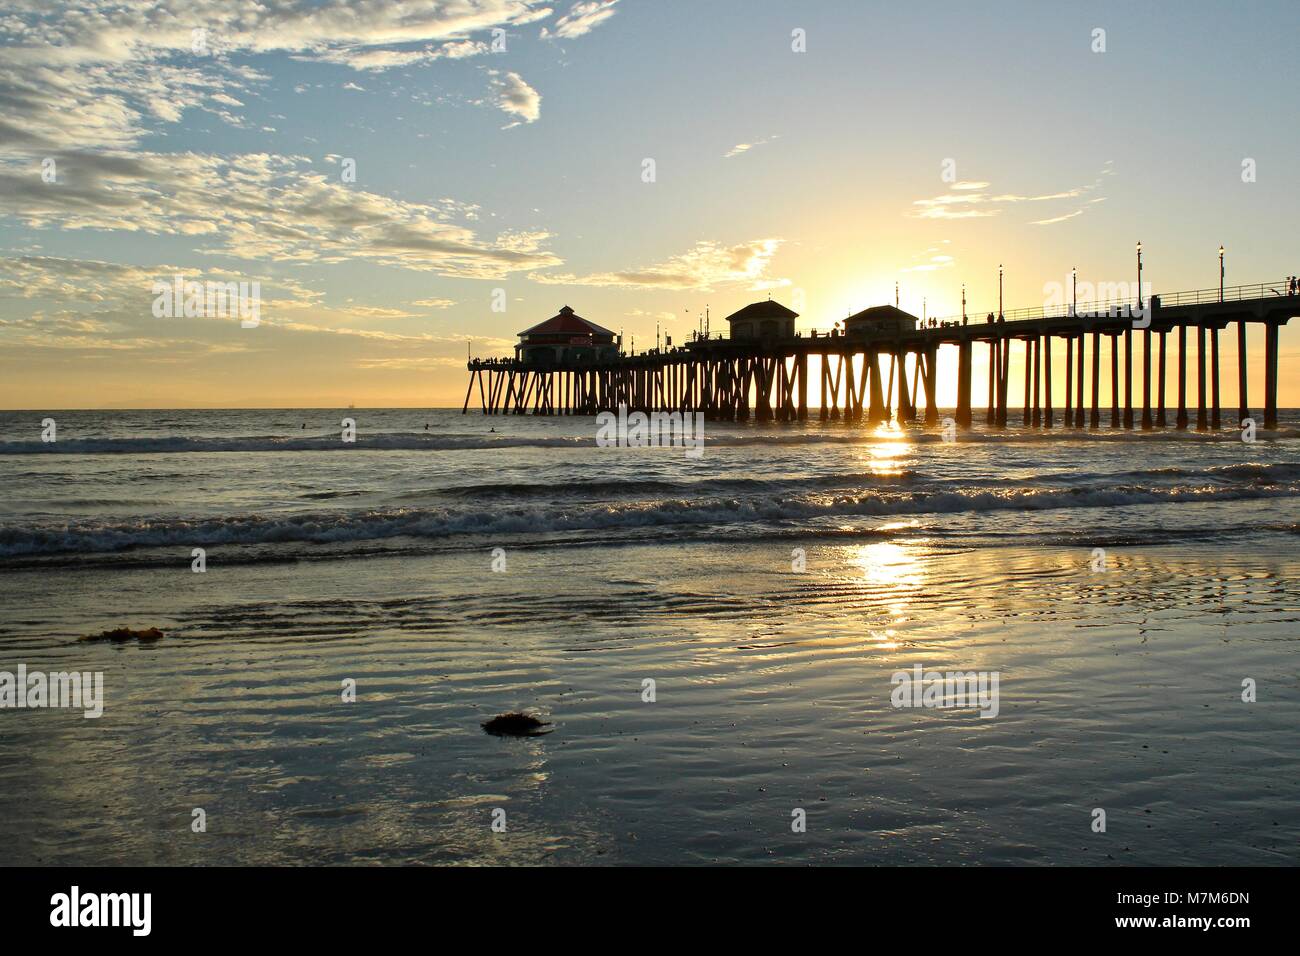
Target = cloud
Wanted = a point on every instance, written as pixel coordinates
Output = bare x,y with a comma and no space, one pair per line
408,362
1048,222
373,60
262,207
970,200
106,308
746,147
514,96
932,265
95,73
705,266
582,18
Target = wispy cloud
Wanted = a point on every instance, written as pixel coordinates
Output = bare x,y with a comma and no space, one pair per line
264,207
972,200
707,265
582,18
746,147
1048,222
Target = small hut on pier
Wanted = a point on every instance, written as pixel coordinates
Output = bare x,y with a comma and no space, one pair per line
565,337
763,320
882,320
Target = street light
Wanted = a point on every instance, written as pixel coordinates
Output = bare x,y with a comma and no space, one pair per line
1220,273
999,290
1139,289
1074,284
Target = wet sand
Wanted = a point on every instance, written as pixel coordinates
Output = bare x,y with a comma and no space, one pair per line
1119,690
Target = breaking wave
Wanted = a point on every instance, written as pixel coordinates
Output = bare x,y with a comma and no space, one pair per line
725,436
113,535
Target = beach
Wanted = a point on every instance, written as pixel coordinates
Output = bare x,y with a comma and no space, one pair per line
770,590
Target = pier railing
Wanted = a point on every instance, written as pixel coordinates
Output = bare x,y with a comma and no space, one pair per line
1236,293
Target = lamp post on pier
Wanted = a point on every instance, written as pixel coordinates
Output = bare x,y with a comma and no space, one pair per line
999,290
1220,272
1139,287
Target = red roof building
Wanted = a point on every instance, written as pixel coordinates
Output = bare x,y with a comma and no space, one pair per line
566,337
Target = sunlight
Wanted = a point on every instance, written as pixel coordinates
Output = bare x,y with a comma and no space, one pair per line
889,565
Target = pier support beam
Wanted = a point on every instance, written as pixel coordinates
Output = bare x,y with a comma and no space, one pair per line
1128,378
826,385
1201,423
877,412
1243,403
906,409
1146,380
1038,376
964,362
1029,381
835,388
991,418
1160,383
1004,375
1078,385
803,386
1047,381
1095,421
1069,380
1114,381
1181,421
1215,421
1270,375
931,385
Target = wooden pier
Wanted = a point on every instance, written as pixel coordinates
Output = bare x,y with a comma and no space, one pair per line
873,376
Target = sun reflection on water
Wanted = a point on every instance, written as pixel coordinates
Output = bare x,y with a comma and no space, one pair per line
887,446
894,574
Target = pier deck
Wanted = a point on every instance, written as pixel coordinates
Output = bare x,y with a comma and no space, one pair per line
731,379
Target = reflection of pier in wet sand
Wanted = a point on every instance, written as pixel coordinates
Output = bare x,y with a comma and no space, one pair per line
569,366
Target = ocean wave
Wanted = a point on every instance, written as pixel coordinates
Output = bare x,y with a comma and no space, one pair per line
626,488
731,437
109,535
394,441
1263,474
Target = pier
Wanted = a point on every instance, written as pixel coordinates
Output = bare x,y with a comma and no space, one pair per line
883,367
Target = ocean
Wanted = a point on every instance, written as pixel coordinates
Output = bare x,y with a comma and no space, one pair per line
714,642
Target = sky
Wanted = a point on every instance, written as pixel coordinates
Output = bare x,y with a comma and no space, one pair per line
412,181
